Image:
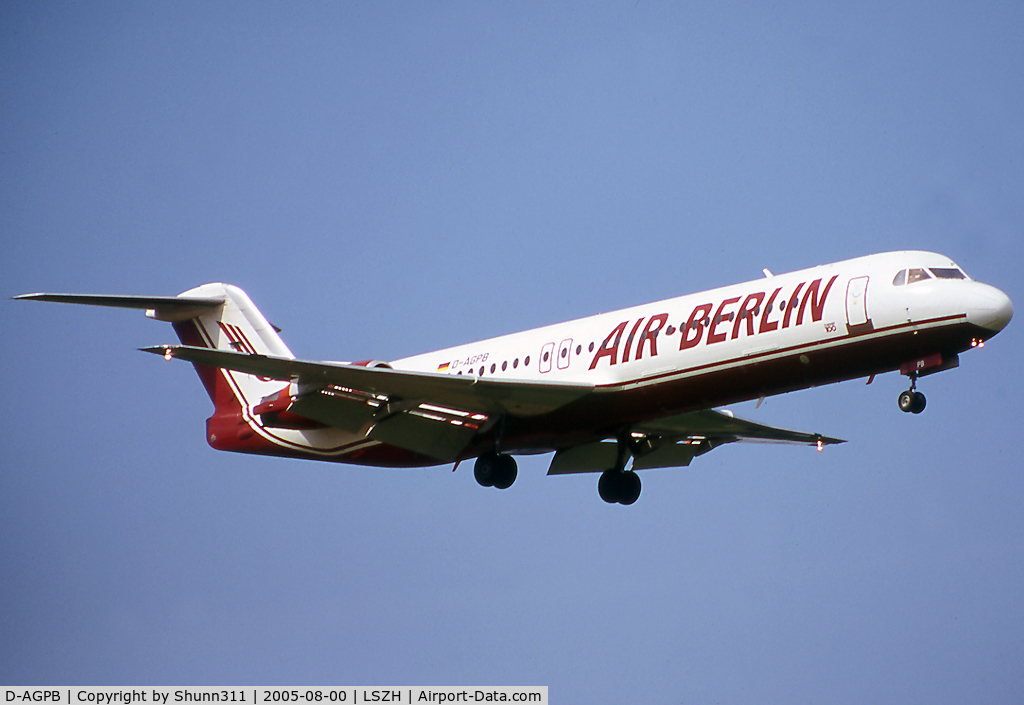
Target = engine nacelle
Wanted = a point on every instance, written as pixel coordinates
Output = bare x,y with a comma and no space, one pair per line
373,363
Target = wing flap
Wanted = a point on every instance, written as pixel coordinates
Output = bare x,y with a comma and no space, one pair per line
670,455
340,411
598,457
421,434
588,457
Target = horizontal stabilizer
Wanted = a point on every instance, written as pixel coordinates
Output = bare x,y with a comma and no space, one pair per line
162,308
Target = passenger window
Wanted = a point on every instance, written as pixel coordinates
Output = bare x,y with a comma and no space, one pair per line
900,279
947,273
916,275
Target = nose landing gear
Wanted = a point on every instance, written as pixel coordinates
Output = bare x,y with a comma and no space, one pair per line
912,401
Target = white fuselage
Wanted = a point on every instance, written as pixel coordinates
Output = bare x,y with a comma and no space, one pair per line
804,312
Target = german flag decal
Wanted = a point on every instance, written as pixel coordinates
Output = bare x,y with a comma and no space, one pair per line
444,367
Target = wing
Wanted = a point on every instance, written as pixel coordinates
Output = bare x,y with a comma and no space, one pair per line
722,427
437,414
674,441
471,394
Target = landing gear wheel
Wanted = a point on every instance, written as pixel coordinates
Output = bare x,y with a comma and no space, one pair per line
630,488
486,469
618,487
507,472
493,470
607,486
912,402
905,401
919,403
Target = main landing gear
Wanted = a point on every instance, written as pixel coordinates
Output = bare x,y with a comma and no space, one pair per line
495,470
912,401
618,485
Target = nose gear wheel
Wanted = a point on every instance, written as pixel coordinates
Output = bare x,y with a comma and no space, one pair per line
912,401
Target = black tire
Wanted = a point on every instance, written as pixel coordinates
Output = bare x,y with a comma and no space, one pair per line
919,403
618,487
608,486
486,469
629,488
507,472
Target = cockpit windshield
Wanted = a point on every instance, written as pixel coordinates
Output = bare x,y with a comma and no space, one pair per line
909,276
917,274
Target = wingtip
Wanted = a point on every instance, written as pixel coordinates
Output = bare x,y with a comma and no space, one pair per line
167,351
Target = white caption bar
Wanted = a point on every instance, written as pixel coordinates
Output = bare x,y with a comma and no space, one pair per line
250,695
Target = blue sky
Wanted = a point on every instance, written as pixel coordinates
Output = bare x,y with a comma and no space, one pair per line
386,179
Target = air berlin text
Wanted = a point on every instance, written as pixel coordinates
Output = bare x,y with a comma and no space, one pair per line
732,318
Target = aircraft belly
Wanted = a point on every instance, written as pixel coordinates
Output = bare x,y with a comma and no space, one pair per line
609,411
614,409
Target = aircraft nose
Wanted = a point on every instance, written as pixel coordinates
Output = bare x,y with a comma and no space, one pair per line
989,308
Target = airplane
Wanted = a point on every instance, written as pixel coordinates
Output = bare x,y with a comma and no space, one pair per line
613,393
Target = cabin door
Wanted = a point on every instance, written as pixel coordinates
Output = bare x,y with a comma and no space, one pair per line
856,302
